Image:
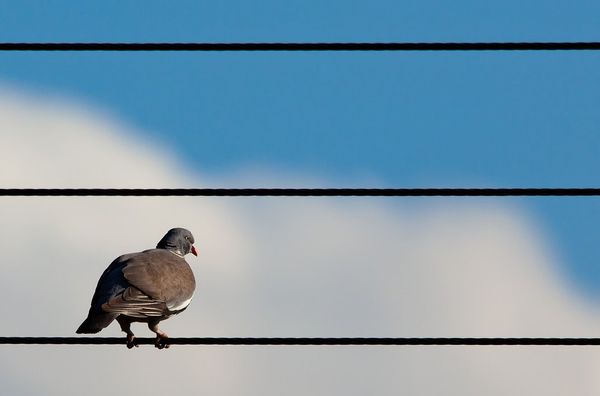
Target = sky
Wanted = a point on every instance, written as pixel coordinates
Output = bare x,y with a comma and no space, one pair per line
271,267
485,119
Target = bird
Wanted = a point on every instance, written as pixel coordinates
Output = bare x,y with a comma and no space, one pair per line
148,286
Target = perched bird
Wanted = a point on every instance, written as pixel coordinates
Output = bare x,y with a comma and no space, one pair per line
149,287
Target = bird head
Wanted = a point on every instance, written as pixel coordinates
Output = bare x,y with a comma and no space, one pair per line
179,241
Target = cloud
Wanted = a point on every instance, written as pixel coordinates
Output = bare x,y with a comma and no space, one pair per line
271,267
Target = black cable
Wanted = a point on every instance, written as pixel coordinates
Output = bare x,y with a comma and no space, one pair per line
349,341
385,46
301,192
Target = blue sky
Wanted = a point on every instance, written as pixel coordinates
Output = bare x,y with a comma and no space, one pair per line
399,119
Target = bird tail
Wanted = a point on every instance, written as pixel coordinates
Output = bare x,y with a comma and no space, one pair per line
95,322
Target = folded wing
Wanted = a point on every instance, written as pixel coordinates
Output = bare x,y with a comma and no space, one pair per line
132,302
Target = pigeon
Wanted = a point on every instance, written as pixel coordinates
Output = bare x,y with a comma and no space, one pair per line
148,286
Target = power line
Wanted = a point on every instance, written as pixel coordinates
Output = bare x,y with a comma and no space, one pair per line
348,341
321,46
302,192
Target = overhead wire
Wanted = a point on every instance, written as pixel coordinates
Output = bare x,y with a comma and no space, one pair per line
302,192
316,341
300,46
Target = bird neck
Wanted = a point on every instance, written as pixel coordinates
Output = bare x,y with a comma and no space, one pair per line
176,252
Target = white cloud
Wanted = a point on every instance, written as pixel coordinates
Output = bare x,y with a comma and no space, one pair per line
271,267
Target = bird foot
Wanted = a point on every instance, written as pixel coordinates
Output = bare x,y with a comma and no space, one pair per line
162,341
131,341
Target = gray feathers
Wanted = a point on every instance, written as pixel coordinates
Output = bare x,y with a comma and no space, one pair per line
147,286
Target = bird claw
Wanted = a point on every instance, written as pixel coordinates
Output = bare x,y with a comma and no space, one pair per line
161,342
131,342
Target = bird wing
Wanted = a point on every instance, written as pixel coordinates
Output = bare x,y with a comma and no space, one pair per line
111,283
132,302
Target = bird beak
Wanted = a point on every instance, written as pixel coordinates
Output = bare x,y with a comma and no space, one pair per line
194,251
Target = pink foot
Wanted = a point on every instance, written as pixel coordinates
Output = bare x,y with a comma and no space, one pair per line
131,342
162,340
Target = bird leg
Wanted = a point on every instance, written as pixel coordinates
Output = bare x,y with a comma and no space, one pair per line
162,339
126,327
